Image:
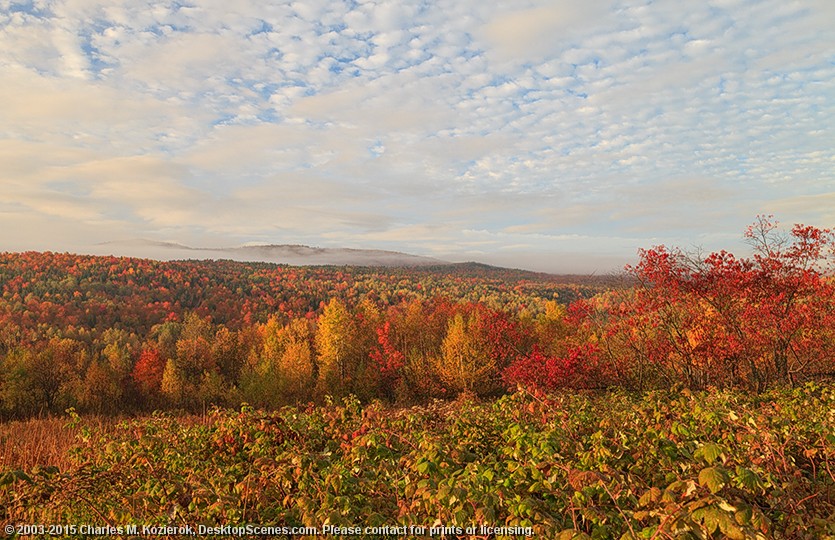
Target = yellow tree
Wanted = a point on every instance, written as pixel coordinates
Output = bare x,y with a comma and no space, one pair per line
334,342
259,378
296,366
418,329
226,354
194,356
551,329
172,386
272,343
465,363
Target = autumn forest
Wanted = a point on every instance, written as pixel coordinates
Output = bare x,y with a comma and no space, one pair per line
688,397
105,334
114,334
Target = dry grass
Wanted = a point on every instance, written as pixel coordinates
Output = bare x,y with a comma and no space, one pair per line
46,441
43,441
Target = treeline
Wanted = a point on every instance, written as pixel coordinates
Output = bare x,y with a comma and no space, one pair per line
44,294
408,353
106,334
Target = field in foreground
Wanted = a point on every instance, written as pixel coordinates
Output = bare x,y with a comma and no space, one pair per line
616,465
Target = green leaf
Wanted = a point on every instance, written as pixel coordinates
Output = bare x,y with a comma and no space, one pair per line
601,532
747,478
714,478
646,532
710,519
743,515
669,496
710,452
6,479
20,475
730,529
572,534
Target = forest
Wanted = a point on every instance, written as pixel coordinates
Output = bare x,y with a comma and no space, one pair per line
689,397
108,335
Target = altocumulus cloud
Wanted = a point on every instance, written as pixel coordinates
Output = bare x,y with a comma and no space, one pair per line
542,134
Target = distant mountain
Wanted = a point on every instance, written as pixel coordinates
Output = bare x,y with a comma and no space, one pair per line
292,254
145,243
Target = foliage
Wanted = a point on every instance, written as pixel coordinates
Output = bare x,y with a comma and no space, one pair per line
714,320
150,334
721,464
338,354
109,335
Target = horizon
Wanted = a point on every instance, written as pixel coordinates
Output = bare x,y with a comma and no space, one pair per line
540,135
141,249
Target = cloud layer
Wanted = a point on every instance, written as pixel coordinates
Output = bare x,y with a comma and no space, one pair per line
538,134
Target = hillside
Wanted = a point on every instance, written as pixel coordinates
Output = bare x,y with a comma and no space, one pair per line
114,334
146,333
289,254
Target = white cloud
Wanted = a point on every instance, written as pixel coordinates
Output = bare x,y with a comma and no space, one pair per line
531,33
405,124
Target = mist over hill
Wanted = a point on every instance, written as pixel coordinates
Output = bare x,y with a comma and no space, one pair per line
292,254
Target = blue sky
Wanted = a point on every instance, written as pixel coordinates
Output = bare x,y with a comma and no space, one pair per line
556,135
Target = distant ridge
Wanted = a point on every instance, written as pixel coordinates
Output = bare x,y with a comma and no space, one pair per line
292,254
143,242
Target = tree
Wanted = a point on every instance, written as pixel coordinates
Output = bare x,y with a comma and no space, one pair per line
260,381
102,389
296,366
574,369
722,320
388,360
419,330
465,363
148,371
227,354
550,328
17,392
335,345
194,356
55,370
173,386
118,353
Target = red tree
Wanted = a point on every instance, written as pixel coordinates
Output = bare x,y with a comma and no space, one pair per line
388,358
576,369
147,373
722,320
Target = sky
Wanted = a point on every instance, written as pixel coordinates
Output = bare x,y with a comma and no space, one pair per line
555,135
